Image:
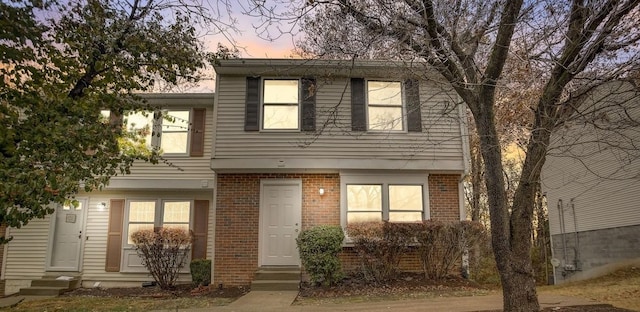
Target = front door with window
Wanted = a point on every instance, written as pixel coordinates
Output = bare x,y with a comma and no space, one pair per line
66,241
280,219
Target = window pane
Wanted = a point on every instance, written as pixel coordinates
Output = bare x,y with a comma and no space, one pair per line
356,217
405,197
384,93
280,117
385,118
281,91
185,227
405,216
176,212
176,121
136,227
140,123
174,142
142,211
364,197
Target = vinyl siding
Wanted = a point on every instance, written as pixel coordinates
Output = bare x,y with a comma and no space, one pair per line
440,140
595,171
27,253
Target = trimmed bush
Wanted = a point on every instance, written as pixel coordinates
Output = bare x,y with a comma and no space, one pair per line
163,253
319,247
200,272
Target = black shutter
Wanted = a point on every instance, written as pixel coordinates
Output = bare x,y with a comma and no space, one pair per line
414,116
308,104
252,105
358,105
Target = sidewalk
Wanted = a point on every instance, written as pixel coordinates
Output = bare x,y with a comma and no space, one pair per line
281,301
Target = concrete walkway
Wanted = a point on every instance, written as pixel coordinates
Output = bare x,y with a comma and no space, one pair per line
281,301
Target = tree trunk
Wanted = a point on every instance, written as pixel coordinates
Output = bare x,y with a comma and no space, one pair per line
510,233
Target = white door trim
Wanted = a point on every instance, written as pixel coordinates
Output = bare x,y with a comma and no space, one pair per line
52,230
262,217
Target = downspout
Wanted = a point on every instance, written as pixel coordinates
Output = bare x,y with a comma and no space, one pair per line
562,231
576,253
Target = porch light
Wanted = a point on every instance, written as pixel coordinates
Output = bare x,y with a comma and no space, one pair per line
102,206
321,191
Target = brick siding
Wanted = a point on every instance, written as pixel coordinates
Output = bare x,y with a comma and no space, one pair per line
238,208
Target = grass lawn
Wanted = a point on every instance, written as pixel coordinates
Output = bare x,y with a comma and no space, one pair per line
98,304
620,288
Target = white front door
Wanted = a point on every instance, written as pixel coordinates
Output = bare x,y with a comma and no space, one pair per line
280,219
66,241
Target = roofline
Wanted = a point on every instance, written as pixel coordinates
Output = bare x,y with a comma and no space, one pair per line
263,66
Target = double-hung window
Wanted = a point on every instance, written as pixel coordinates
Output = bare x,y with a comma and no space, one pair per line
280,104
384,105
370,198
149,214
166,130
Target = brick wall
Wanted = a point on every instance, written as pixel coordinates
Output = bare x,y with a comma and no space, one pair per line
238,208
444,200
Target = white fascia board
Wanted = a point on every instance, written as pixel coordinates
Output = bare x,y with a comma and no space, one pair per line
184,184
251,165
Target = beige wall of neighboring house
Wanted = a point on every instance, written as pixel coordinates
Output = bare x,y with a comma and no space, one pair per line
592,183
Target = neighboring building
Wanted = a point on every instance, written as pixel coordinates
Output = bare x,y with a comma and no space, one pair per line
288,144
592,183
300,143
91,241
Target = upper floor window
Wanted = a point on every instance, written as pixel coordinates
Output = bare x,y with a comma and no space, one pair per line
384,105
280,105
167,130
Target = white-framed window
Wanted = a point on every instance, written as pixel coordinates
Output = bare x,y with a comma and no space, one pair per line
280,104
389,197
154,213
167,130
384,106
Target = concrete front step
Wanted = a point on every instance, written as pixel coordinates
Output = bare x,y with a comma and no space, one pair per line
275,285
276,279
42,291
49,286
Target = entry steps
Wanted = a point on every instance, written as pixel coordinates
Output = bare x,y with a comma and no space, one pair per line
50,285
276,278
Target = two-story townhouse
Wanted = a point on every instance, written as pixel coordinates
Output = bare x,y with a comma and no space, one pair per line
300,143
91,242
591,181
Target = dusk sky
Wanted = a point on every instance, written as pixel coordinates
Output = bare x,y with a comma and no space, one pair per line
247,40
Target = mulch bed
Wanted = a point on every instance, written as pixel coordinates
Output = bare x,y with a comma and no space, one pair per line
155,292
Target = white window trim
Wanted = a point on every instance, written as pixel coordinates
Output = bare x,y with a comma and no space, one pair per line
384,179
128,249
158,124
156,127
262,104
403,109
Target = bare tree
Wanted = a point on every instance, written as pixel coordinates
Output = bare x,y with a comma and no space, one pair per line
570,47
